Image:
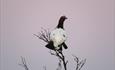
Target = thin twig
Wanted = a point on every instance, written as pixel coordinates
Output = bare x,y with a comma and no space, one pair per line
44,67
59,65
61,57
24,64
44,35
79,64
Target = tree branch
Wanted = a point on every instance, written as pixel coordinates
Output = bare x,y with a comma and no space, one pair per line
59,65
61,57
45,36
79,64
24,64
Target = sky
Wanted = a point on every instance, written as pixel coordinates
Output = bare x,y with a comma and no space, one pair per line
90,27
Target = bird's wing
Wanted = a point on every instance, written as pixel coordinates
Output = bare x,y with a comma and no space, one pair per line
50,45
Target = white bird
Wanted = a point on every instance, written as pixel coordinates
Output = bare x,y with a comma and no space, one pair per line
58,36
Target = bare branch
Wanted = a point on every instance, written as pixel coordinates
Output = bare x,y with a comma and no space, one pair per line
61,57
23,64
44,67
44,35
59,65
79,64
64,62
82,64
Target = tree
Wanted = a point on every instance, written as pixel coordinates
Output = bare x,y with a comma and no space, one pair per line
45,36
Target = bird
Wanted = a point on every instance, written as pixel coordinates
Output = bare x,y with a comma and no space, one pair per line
58,36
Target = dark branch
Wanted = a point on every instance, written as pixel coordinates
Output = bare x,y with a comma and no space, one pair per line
61,57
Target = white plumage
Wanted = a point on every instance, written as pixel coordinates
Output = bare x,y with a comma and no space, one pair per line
58,36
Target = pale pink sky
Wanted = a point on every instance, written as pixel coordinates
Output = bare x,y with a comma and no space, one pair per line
90,27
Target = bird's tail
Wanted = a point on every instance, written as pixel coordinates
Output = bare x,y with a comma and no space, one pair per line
64,45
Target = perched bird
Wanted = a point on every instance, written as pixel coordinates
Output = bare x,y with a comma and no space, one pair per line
58,36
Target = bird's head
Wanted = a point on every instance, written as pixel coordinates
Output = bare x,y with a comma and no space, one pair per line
63,17
61,21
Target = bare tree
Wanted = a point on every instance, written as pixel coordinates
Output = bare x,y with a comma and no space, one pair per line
61,58
45,36
59,65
